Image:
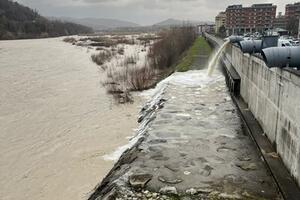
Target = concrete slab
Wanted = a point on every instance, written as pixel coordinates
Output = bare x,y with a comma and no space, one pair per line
192,145
286,183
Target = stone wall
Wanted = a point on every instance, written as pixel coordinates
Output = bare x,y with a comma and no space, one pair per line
273,96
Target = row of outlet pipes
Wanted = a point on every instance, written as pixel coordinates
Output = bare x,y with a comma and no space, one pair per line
273,55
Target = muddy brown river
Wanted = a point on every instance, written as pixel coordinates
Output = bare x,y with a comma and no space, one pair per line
56,121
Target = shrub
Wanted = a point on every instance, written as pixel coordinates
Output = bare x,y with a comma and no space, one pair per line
100,41
125,41
131,60
141,78
70,40
102,57
108,42
100,49
97,39
120,81
121,50
148,38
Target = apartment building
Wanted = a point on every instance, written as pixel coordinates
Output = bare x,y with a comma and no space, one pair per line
292,10
220,21
256,18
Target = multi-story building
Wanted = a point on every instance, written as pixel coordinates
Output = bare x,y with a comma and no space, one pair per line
292,13
208,28
257,18
292,10
220,21
299,31
280,21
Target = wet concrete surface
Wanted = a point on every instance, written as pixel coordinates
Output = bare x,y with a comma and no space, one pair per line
193,147
200,62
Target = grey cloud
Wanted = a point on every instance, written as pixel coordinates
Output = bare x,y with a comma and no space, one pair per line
140,11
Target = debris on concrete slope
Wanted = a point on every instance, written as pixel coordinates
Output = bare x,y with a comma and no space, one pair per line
190,145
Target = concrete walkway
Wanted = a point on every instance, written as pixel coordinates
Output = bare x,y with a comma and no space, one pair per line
191,145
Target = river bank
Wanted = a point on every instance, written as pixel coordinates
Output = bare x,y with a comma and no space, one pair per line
57,122
191,144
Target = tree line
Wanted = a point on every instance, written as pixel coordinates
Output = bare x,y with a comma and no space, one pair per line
173,42
20,22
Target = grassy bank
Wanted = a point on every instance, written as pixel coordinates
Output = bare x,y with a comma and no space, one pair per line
200,47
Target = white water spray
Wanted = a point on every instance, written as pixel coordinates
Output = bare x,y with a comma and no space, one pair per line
213,61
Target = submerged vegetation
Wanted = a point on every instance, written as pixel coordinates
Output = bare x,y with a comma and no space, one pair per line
120,82
108,41
102,57
70,40
137,62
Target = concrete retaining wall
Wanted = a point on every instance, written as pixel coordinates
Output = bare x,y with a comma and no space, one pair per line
273,96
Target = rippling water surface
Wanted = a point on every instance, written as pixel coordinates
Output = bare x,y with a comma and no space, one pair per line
56,121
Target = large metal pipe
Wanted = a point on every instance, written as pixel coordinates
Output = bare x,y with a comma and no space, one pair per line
235,38
282,57
251,46
269,41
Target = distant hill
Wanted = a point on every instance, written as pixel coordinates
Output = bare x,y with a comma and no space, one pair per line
176,22
18,21
169,22
99,24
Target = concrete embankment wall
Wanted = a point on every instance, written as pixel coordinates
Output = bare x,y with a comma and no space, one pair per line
273,96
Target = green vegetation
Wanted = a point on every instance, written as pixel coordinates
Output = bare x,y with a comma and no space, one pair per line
200,47
20,22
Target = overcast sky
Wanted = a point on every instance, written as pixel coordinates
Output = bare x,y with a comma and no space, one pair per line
144,12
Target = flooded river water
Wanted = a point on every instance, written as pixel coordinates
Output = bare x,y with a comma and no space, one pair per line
56,121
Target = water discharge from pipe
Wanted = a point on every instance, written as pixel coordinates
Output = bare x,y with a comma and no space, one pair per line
216,57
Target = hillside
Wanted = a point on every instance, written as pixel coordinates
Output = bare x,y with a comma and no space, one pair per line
99,24
18,22
176,22
169,22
